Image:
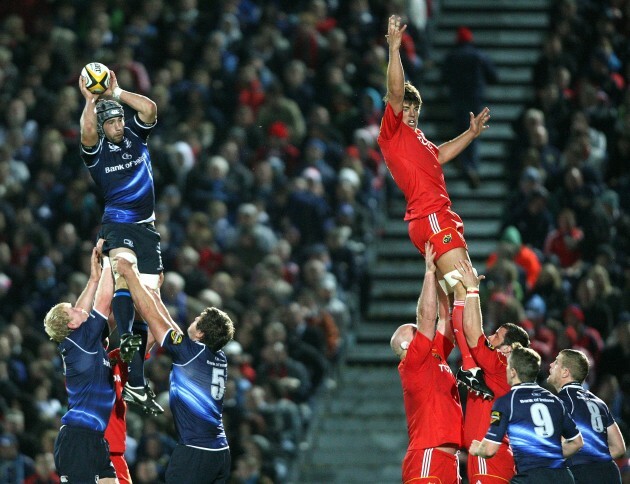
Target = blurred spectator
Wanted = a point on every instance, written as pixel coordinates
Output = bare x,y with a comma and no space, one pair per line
511,247
579,334
14,466
534,220
288,375
563,242
551,287
466,71
542,338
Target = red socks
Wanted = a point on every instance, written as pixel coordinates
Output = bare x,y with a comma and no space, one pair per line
458,328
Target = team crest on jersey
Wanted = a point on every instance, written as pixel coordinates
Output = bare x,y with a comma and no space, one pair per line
495,417
113,148
447,239
176,338
127,143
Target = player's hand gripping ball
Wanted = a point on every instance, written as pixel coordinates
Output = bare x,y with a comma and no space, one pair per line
96,77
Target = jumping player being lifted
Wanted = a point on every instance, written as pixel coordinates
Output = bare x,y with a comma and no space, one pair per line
118,159
416,166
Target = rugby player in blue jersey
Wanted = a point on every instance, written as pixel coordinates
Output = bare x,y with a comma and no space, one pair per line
603,441
197,384
117,155
541,431
81,451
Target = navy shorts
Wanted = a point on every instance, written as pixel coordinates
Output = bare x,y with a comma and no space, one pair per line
82,455
198,466
545,475
143,239
607,472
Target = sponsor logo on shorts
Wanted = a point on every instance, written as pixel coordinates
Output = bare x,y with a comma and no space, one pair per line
495,417
128,242
447,239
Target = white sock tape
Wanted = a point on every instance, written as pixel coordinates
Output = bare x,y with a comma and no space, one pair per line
445,287
130,256
150,280
451,281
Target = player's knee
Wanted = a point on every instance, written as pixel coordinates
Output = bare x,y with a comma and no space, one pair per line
119,281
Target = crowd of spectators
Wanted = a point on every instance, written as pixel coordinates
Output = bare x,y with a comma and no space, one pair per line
562,263
269,189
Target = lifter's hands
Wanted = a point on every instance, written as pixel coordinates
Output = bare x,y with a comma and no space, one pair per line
123,266
95,265
474,447
478,123
467,277
113,84
89,96
394,32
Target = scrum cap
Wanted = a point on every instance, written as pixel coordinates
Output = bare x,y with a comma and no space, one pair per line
107,109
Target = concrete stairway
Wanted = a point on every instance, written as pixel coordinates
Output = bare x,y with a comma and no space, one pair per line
360,433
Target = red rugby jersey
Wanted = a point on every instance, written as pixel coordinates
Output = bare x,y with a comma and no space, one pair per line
413,162
494,364
116,431
432,406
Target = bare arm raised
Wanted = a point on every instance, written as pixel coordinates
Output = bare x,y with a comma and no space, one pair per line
146,108
426,312
395,72
473,325
89,134
151,308
454,147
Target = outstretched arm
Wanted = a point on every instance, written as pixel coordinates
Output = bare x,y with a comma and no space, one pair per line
89,135
86,300
454,147
426,311
158,318
473,325
146,108
395,73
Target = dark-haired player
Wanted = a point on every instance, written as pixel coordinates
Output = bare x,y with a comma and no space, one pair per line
491,354
603,441
118,159
541,431
416,166
197,384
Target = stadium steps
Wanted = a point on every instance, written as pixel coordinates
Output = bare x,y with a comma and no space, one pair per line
360,435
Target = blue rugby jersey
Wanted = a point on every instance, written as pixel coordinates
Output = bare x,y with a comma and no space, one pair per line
534,419
124,175
593,418
197,387
88,373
